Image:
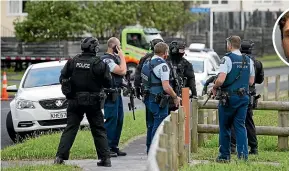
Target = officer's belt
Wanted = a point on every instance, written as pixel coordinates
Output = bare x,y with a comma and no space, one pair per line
234,92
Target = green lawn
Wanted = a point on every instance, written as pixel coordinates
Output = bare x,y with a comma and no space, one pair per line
267,151
43,168
45,146
271,61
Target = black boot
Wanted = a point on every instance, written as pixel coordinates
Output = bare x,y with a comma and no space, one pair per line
112,154
58,160
104,162
118,152
254,151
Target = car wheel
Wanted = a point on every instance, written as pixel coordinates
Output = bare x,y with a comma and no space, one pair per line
10,129
132,67
15,137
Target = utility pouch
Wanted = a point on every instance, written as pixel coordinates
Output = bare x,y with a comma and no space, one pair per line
83,98
112,94
224,99
164,101
241,92
158,98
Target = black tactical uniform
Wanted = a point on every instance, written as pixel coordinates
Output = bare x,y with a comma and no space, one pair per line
184,70
83,79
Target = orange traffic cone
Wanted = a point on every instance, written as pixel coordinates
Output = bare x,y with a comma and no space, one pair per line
4,88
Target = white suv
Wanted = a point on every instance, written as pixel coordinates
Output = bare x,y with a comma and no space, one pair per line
39,103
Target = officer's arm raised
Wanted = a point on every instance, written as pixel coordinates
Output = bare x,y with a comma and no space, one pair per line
121,68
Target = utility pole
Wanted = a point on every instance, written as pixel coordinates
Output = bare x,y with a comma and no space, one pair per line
242,15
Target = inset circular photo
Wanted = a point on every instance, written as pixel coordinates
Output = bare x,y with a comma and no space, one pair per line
280,37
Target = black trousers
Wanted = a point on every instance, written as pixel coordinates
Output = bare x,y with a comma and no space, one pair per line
94,116
251,131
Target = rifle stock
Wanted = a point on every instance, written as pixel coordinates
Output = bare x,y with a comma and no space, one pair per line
131,91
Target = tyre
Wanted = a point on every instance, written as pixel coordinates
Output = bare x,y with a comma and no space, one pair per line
14,136
132,67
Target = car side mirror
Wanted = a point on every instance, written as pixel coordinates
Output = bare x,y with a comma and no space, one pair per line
12,88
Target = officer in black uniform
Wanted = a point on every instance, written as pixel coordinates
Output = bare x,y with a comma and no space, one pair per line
83,79
184,70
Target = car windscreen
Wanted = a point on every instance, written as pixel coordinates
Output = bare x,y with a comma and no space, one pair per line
198,66
39,77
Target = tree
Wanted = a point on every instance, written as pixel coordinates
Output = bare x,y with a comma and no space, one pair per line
50,20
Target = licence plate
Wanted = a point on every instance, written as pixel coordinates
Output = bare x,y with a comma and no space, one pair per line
58,115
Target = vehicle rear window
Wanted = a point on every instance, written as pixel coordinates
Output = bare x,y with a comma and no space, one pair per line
39,77
198,66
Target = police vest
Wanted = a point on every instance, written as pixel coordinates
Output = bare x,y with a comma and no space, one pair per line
83,79
116,79
150,81
240,71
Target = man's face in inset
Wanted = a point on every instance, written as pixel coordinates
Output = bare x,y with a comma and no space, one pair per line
285,41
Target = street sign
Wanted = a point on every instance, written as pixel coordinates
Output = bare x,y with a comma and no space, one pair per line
200,10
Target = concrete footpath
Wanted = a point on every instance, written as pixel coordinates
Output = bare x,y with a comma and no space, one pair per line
135,160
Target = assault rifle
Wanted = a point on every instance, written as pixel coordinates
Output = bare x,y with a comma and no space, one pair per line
129,90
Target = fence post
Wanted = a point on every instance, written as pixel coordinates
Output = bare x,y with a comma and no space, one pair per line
163,143
174,120
194,134
217,117
168,131
186,105
181,131
283,117
277,89
201,120
161,159
288,85
265,95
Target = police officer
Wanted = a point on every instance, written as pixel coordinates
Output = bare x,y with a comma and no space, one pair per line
246,48
137,80
113,107
236,74
184,70
138,86
83,79
155,77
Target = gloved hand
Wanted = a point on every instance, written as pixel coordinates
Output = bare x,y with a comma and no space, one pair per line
205,90
138,93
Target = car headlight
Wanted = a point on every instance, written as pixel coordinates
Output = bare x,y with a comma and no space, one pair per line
24,104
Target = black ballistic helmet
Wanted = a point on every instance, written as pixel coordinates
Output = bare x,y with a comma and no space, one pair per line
175,46
247,46
90,44
154,42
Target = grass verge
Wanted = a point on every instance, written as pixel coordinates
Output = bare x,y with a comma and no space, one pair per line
43,168
271,61
45,146
267,151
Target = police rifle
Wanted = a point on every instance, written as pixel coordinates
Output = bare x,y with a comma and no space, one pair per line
209,96
176,80
130,90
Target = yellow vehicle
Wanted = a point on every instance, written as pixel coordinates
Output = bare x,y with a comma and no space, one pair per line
135,43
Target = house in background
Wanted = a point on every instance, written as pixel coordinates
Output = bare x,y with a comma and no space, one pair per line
11,10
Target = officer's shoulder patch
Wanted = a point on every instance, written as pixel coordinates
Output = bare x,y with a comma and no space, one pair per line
107,61
165,68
